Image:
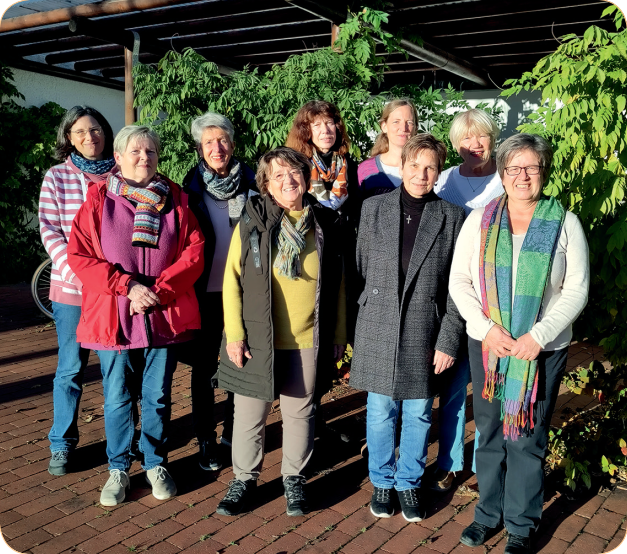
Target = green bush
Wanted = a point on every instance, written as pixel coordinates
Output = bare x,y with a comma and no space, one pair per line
583,116
262,107
27,138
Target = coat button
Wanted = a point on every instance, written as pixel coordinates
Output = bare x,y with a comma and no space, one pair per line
375,291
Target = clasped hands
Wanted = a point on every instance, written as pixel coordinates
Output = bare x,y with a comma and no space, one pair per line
141,297
502,344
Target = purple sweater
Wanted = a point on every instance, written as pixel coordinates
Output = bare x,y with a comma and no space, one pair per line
372,179
145,264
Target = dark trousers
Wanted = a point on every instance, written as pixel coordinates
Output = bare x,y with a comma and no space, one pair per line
203,357
510,473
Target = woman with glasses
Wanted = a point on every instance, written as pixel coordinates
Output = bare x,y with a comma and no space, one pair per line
85,149
284,323
519,278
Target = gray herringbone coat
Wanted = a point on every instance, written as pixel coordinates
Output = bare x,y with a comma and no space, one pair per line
397,333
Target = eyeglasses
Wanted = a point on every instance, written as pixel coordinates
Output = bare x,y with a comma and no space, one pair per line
81,133
282,177
529,170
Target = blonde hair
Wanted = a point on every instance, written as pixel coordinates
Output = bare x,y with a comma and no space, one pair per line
381,144
473,122
135,132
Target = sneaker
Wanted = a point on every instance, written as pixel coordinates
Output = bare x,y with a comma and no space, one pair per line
476,534
226,441
295,494
517,544
208,454
114,490
381,503
442,480
412,505
163,486
236,497
59,463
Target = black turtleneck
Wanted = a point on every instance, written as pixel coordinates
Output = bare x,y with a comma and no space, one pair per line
411,214
327,159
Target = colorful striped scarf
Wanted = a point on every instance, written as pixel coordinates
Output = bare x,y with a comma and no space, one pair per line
149,201
512,381
291,241
336,174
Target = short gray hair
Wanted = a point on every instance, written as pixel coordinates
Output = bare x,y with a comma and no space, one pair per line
208,120
289,157
135,132
473,122
525,141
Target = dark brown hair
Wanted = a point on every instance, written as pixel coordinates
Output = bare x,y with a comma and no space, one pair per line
64,147
299,137
289,157
424,141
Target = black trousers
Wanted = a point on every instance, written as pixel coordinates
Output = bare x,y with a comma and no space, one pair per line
511,473
202,354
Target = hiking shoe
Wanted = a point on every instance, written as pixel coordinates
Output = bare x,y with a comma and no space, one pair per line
163,486
442,480
381,503
295,494
412,505
59,463
114,490
517,544
208,456
476,534
236,497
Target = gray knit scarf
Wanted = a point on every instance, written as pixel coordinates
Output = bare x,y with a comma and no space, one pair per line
291,241
226,188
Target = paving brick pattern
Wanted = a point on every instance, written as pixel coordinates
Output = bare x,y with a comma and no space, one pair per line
42,514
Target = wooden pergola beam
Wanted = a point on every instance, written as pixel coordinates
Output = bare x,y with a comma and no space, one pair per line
427,52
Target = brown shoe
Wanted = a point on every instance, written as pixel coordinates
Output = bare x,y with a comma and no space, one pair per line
442,480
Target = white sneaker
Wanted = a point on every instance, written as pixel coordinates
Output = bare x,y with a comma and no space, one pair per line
163,486
114,490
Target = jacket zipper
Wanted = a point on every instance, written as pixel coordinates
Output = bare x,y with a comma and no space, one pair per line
271,239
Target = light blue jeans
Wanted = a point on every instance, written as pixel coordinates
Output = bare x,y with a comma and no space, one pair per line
453,416
382,413
156,366
68,379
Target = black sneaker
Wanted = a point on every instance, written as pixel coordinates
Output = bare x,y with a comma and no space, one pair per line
476,534
517,544
295,494
381,503
412,505
208,456
236,497
59,463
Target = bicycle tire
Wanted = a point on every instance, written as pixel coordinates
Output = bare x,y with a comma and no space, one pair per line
40,288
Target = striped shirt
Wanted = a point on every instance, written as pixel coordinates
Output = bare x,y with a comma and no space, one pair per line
62,194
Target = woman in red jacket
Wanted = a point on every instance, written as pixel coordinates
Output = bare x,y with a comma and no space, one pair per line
137,248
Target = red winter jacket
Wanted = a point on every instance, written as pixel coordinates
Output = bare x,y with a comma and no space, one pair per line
103,282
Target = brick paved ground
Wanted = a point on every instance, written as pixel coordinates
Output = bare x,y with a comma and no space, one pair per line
43,514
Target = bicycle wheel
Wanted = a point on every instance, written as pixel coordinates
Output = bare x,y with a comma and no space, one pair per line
40,287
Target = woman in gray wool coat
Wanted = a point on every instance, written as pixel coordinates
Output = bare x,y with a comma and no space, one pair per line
408,328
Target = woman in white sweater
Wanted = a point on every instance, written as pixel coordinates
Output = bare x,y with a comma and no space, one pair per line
519,278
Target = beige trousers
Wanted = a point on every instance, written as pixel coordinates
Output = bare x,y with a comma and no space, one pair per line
295,375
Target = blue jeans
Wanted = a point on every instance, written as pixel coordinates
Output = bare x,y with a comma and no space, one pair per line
382,413
68,379
453,416
156,367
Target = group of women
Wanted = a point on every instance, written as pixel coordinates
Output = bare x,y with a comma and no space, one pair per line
267,277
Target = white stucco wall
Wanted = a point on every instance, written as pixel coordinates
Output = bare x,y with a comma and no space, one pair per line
39,89
515,108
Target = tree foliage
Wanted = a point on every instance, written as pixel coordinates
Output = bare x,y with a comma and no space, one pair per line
262,106
27,138
583,115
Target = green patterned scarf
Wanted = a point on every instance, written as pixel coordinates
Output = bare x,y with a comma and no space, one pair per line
512,381
291,241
